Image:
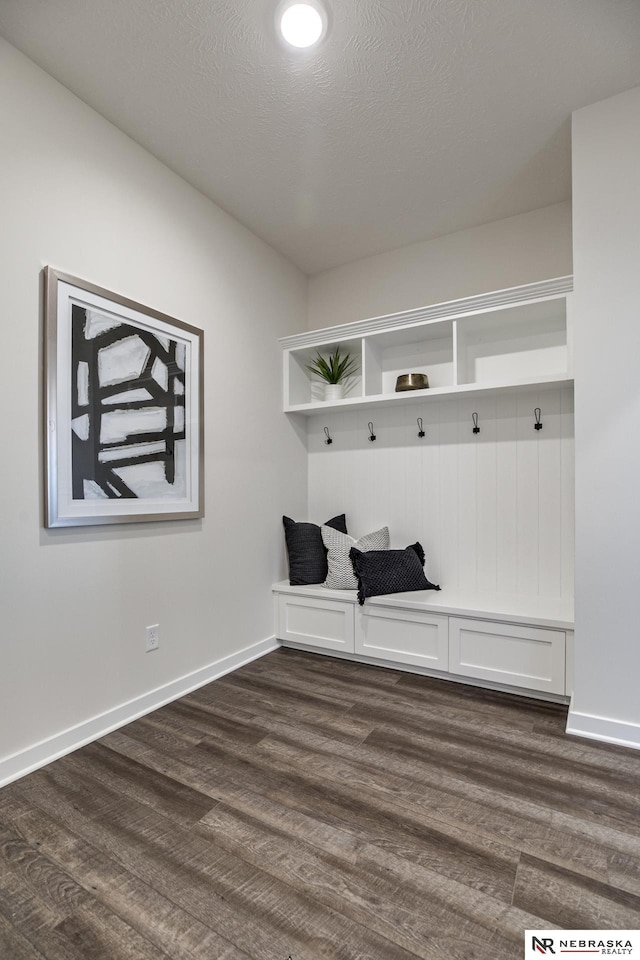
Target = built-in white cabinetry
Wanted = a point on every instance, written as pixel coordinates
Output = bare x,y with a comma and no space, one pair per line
316,622
519,337
525,647
511,488
527,657
404,636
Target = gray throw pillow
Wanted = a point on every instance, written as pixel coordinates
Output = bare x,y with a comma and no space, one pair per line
340,575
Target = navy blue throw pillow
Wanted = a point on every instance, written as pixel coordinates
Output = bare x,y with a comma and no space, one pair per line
389,571
307,552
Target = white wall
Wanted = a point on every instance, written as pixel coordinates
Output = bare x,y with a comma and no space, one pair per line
79,195
505,253
493,511
606,227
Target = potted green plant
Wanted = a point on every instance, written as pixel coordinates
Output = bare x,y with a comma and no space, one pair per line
333,370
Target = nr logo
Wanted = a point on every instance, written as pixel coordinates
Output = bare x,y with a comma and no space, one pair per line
544,945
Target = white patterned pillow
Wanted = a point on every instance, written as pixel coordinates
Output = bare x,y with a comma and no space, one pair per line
341,575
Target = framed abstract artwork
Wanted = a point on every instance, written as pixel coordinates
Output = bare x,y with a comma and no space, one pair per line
123,409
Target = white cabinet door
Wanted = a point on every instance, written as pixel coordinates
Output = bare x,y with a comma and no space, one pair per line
402,636
527,657
318,623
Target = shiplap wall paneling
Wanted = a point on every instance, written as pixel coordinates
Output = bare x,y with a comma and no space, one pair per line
429,497
567,512
550,504
489,507
527,481
493,510
507,492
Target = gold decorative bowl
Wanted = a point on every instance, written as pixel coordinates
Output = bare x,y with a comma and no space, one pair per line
412,381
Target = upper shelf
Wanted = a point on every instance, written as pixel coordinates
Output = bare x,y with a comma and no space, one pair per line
506,340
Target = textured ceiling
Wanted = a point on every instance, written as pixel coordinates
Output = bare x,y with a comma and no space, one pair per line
415,118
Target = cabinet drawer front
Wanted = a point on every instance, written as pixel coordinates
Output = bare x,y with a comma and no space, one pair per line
507,653
404,636
319,623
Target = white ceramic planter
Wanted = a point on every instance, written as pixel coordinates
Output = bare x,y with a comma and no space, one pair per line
333,391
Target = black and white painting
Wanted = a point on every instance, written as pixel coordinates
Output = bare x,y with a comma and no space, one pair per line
127,409
124,409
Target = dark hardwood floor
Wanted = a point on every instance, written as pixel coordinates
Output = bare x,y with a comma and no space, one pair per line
313,808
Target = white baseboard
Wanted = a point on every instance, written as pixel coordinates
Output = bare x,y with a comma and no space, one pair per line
31,758
602,728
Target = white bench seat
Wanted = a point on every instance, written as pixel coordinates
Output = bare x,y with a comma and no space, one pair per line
511,608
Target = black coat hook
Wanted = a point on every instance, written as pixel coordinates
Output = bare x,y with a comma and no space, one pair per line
537,414
420,430
372,435
476,428
326,433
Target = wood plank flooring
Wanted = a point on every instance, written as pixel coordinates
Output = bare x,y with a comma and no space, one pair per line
315,809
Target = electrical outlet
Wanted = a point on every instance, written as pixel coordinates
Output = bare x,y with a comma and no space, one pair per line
152,639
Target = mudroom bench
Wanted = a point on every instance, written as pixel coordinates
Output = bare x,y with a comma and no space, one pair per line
515,643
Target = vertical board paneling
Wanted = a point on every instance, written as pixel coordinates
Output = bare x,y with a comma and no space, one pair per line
448,477
432,526
487,503
344,454
324,468
409,474
388,447
468,443
550,504
362,502
567,495
528,500
507,493
493,511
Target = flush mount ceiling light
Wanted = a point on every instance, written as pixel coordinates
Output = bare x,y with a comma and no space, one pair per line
301,25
